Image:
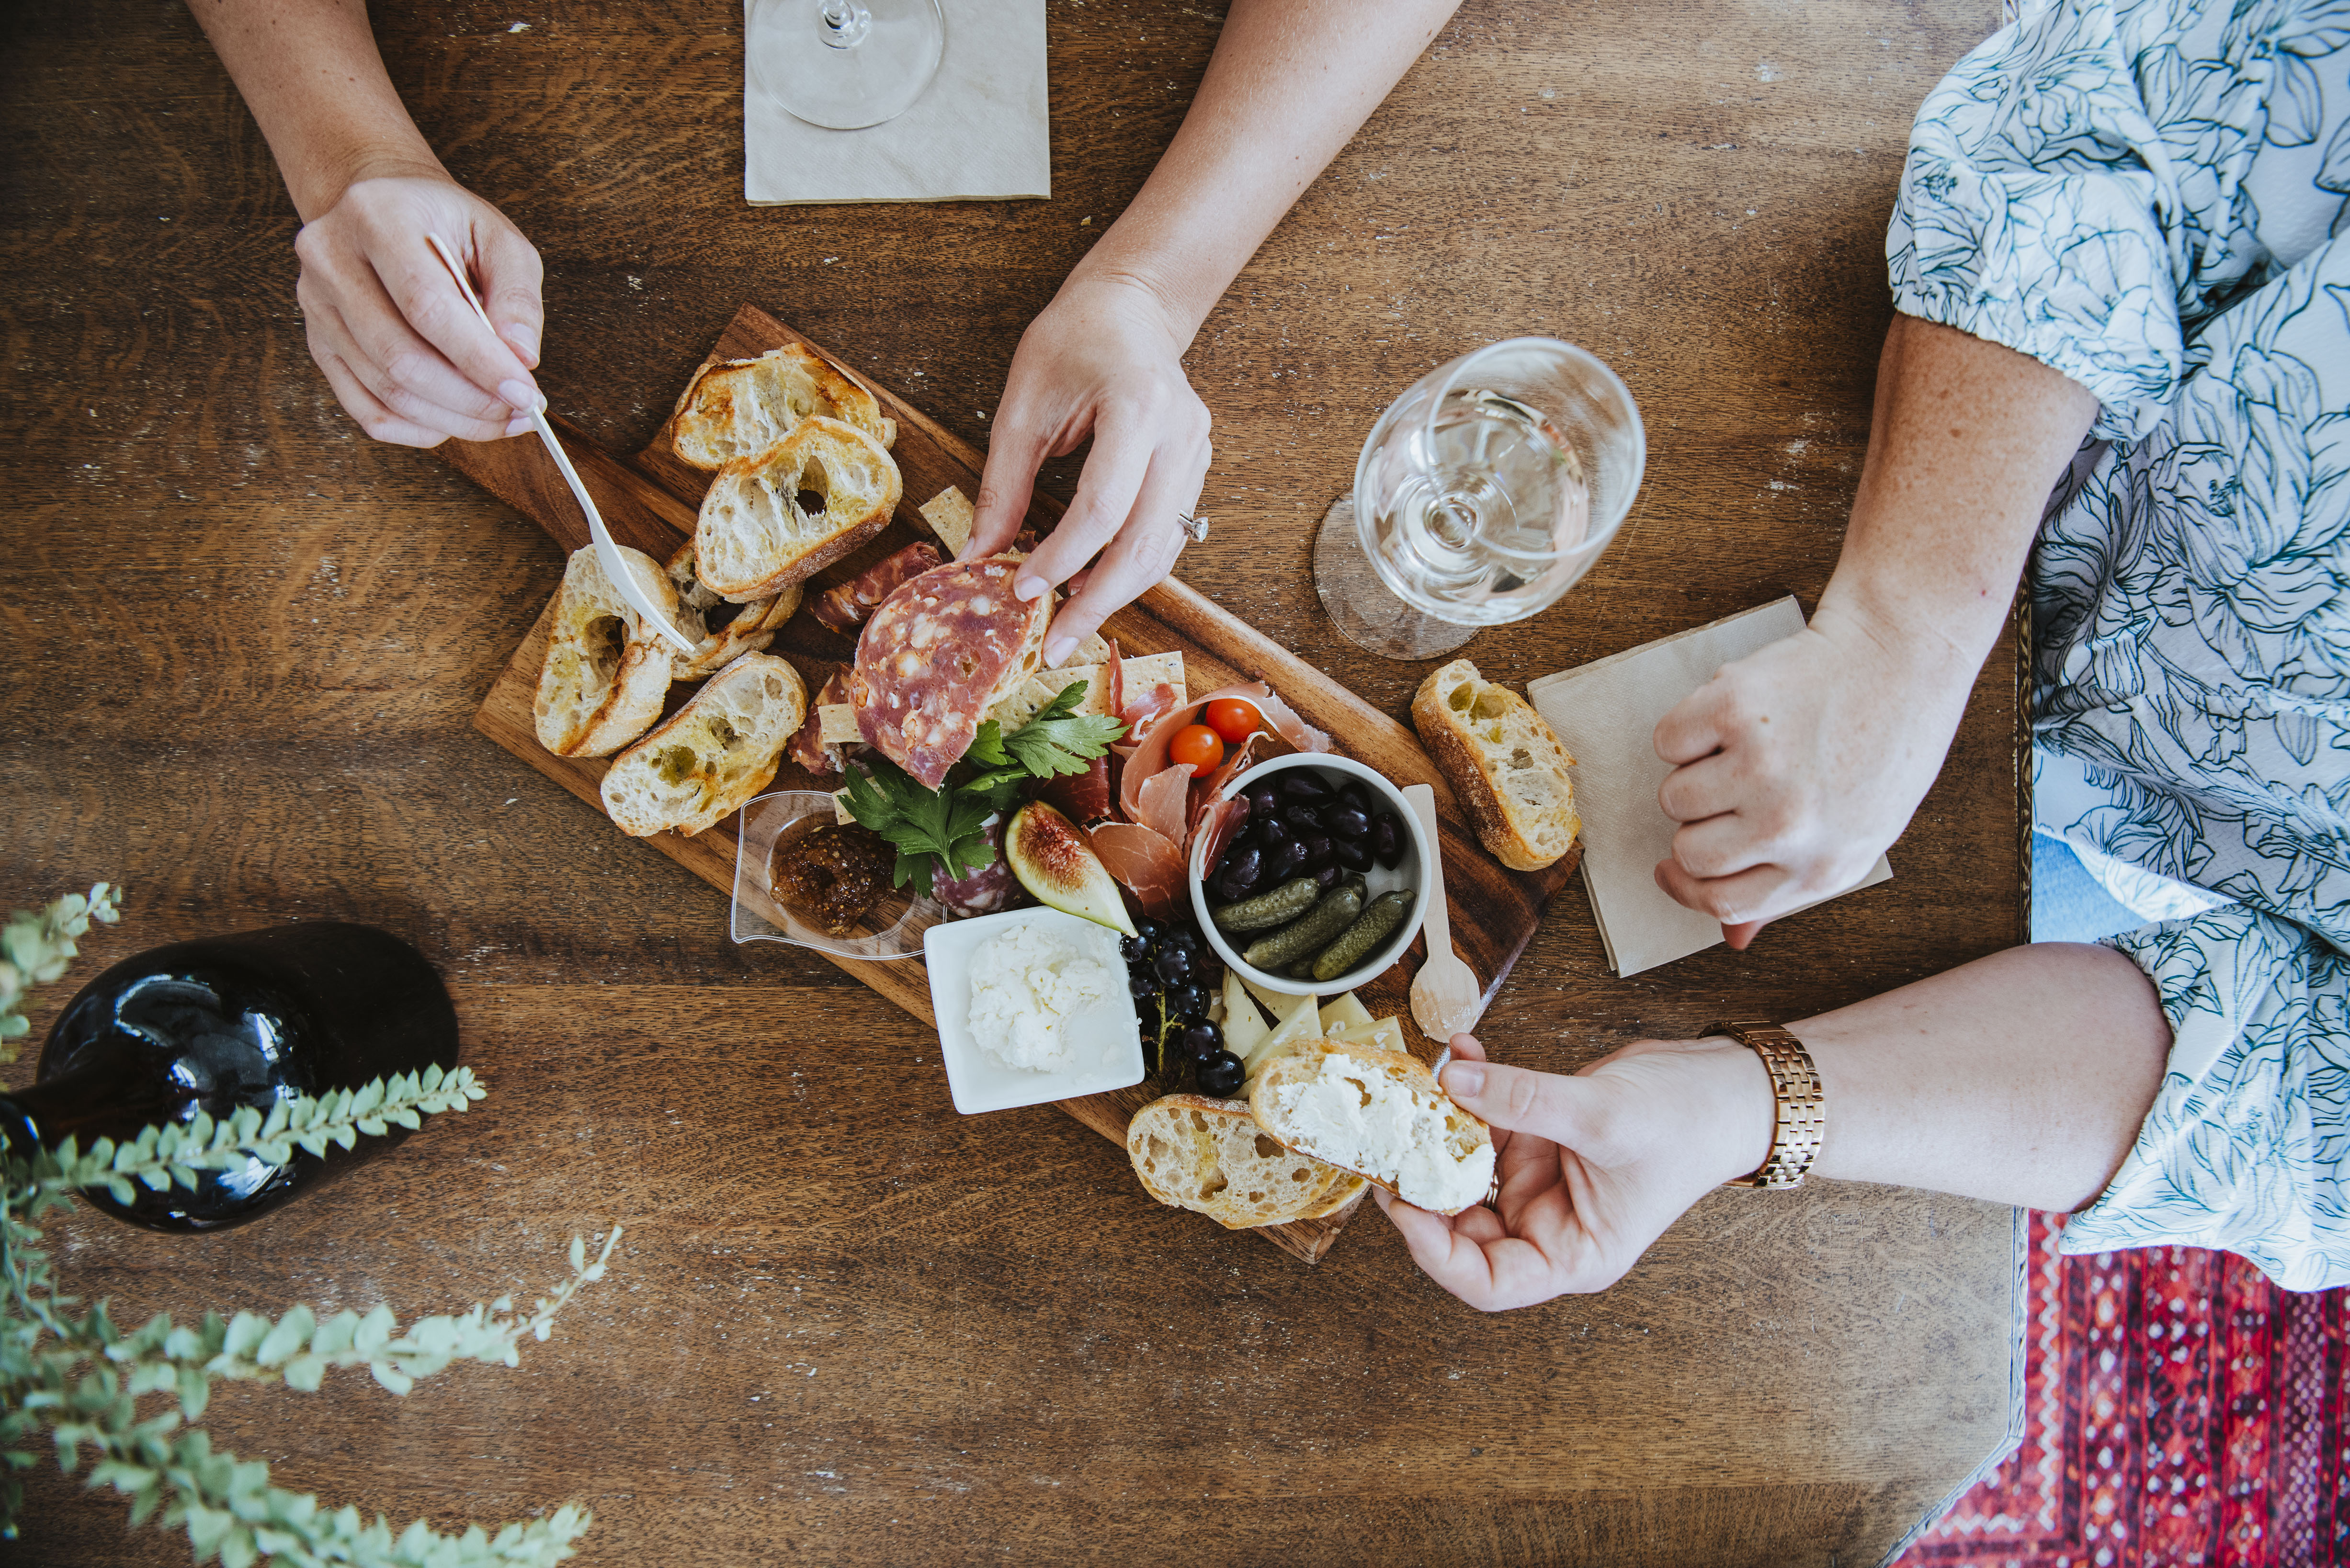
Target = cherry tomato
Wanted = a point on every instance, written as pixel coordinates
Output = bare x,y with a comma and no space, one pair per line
1197,747
1232,719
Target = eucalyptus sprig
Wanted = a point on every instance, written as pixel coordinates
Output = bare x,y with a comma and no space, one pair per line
36,948
83,1378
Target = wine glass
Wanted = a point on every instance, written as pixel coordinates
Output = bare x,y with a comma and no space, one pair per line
845,64
1483,494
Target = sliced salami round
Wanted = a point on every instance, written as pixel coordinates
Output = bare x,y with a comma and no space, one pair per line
938,653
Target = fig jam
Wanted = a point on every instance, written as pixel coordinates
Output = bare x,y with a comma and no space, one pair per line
833,874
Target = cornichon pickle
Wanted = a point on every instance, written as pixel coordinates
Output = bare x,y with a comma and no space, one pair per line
1281,906
1304,938
1376,925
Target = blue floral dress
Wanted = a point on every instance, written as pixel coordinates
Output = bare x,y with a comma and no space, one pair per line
2154,198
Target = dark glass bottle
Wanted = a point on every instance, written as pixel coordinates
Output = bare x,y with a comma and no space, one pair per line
245,1020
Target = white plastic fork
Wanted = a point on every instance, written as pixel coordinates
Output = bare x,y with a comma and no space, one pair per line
608,552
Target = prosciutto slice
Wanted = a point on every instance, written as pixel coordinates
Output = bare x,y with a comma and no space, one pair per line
1220,824
1237,761
1084,798
1162,804
1145,864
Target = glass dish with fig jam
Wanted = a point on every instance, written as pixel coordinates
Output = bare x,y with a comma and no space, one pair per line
803,876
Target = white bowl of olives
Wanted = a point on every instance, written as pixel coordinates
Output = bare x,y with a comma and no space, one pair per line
1321,888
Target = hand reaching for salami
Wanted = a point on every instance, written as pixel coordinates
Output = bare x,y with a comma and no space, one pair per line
1103,359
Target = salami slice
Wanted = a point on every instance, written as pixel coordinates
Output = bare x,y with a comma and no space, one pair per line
937,654
807,748
844,608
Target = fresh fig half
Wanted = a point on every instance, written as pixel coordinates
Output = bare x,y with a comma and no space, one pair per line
1053,861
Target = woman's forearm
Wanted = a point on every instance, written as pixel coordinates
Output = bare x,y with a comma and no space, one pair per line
2022,1077
1290,83
311,74
1967,439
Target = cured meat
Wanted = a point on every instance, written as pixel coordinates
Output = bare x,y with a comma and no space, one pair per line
937,654
807,745
1148,756
984,891
1114,684
1146,865
1084,798
1143,706
845,608
1162,804
1220,824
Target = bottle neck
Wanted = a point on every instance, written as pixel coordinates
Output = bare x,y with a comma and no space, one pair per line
96,1100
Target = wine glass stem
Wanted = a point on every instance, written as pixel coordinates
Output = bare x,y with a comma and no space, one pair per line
844,23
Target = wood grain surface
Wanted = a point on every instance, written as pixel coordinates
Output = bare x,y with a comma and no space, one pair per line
849,1325
1499,910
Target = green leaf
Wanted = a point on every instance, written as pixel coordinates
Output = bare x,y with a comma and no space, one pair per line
304,1372
1059,740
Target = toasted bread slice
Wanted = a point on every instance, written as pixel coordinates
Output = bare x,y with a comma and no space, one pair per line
711,756
606,671
1379,1114
774,518
1504,762
742,407
1209,1155
722,631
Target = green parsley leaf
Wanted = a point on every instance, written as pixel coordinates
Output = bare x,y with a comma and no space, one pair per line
931,828
987,746
1058,739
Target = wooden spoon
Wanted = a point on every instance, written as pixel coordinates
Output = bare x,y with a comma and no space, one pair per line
1446,999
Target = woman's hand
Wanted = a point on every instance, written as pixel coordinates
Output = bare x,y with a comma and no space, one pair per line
1796,767
399,344
1593,1167
1105,359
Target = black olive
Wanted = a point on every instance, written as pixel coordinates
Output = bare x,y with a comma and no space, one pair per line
1327,875
1263,801
1299,786
1202,1040
1317,851
1172,965
1189,999
1272,832
1286,862
1351,852
1243,869
1387,840
1356,795
1345,822
1222,1074
1303,818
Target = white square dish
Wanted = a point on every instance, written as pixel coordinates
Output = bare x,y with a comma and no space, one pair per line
1109,1048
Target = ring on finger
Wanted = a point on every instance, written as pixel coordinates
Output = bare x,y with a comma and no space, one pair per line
1195,528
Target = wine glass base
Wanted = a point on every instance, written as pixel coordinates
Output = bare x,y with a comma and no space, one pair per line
895,53
1361,605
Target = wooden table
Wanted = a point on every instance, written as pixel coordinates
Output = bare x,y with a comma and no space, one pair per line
847,1324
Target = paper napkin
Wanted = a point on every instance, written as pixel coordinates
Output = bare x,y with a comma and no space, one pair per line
980,132
1606,712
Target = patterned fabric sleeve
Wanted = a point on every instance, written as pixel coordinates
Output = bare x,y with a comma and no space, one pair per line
2040,208
2243,1149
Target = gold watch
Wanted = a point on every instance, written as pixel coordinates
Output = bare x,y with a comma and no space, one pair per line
1803,1108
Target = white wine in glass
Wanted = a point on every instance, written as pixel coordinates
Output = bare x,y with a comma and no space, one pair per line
844,64
1481,495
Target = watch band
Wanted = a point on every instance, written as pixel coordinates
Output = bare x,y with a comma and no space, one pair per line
1803,1108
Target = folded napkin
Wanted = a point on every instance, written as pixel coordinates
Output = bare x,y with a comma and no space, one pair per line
980,132
1606,712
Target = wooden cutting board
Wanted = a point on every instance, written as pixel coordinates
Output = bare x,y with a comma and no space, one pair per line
649,501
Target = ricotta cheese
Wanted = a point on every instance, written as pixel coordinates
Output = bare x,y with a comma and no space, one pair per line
1369,1121
1025,982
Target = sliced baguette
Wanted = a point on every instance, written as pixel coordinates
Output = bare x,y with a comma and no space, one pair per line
1379,1114
1209,1155
753,538
711,756
741,406
606,671
722,631
1504,762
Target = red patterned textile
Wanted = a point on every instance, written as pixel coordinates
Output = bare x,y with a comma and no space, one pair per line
2179,1410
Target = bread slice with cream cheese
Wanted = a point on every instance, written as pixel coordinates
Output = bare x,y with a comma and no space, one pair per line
1379,1114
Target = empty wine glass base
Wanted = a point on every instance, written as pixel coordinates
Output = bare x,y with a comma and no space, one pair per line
1360,605
845,65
